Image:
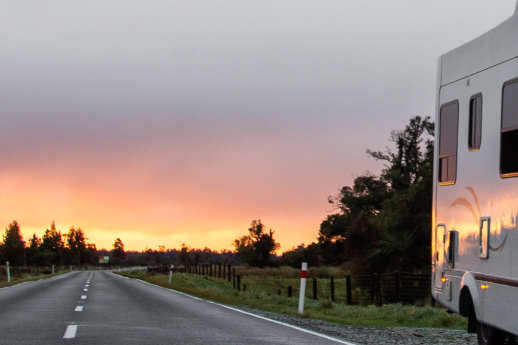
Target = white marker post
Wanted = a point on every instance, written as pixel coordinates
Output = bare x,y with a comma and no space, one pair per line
52,269
8,273
302,287
171,274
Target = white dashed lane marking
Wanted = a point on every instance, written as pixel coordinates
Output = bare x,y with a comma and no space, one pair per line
85,289
83,297
70,332
79,308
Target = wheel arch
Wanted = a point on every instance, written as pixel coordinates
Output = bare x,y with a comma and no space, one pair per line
468,296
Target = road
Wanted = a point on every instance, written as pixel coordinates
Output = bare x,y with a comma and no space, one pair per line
99,307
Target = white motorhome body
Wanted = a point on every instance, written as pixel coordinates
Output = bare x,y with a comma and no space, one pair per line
475,207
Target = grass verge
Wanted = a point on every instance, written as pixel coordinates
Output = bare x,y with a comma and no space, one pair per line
258,297
28,278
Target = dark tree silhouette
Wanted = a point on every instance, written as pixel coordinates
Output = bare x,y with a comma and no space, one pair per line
256,247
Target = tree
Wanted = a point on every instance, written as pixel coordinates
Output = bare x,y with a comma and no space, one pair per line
118,253
184,256
297,255
384,221
52,245
332,239
14,246
255,248
76,247
33,251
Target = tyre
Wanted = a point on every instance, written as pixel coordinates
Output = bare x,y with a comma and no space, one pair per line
489,335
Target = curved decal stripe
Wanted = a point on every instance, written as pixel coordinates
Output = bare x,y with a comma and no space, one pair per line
476,200
467,204
501,245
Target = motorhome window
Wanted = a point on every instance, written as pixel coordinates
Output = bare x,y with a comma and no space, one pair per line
484,237
475,122
450,248
509,132
449,116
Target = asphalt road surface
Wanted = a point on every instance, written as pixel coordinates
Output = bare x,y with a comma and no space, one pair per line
93,307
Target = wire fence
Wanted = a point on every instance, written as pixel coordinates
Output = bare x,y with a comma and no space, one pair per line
377,289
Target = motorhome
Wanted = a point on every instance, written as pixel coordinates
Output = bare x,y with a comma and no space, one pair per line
475,204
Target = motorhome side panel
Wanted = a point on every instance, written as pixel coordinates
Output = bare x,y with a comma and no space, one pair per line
476,195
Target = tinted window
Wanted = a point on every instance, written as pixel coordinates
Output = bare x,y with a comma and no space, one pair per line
509,132
475,122
510,106
449,116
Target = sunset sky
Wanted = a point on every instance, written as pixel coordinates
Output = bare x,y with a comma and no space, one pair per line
163,122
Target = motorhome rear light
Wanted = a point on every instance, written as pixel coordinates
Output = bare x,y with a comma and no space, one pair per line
483,287
442,277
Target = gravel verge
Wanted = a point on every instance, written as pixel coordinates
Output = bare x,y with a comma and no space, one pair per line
373,335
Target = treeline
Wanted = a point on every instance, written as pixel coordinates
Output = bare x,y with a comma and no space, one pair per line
72,248
381,223
52,249
184,256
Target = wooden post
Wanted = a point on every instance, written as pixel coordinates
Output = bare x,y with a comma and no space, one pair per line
290,291
219,270
332,289
239,283
397,286
234,277
315,297
229,274
279,292
374,286
349,290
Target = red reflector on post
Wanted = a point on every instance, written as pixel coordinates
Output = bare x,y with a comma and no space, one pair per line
303,274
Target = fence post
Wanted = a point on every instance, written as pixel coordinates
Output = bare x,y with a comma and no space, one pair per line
374,285
239,283
279,292
315,289
348,287
397,285
52,269
229,274
332,289
8,273
210,270
302,293
219,270
171,274
234,277
290,291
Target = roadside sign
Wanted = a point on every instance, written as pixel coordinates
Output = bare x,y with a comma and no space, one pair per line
104,259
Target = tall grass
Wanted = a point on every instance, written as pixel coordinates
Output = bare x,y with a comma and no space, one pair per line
289,272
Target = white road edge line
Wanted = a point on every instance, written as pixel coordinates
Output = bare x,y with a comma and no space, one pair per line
70,332
79,308
257,316
286,324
